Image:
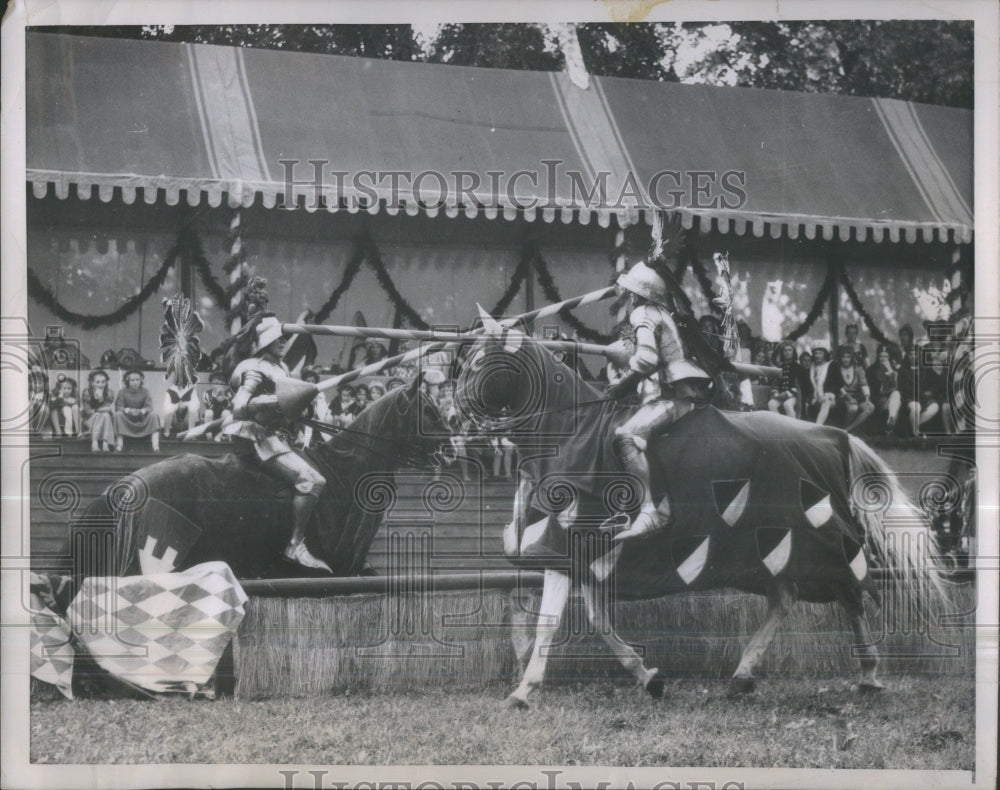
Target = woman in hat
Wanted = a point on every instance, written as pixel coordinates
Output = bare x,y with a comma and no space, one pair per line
98,402
134,415
261,433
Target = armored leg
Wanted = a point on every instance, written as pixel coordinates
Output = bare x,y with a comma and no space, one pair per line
651,419
309,485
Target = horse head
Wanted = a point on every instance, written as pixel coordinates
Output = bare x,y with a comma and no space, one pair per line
509,382
414,424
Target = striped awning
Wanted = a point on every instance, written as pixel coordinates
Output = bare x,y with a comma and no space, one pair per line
172,122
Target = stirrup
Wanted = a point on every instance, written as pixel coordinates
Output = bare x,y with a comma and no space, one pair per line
647,521
298,553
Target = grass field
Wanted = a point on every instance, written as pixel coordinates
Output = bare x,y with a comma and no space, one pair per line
919,722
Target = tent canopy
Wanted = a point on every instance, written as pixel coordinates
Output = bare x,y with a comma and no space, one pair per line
226,123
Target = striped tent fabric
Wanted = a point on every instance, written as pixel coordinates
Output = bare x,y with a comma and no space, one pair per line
164,632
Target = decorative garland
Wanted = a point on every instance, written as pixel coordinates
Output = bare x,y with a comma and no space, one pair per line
873,329
832,271
374,258
350,271
41,294
195,255
516,281
552,294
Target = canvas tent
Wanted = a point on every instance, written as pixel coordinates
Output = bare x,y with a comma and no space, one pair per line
163,134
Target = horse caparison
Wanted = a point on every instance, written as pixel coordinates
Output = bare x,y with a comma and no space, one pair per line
190,509
762,503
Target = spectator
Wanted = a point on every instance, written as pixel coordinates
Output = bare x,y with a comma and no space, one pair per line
375,391
760,359
822,400
38,398
134,415
98,407
907,375
180,405
931,385
849,385
348,406
216,403
449,414
883,377
362,399
860,352
787,393
393,384
430,383
64,407
317,410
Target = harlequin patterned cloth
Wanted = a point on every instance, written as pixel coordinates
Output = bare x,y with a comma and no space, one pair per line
51,639
163,631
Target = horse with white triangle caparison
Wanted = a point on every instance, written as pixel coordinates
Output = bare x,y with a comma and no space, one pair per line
761,503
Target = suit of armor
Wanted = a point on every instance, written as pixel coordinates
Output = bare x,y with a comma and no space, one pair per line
261,434
657,364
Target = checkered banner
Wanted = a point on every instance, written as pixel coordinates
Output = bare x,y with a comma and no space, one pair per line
162,631
51,640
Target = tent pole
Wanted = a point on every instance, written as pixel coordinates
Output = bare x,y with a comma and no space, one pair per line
833,259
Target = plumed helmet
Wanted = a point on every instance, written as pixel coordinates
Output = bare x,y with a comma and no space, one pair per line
645,282
267,331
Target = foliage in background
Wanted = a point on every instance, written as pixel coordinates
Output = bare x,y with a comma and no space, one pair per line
926,61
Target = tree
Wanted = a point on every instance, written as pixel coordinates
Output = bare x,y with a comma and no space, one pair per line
501,46
627,50
925,61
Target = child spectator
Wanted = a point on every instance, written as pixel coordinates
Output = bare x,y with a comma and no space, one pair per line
64,407
787,393
822,400
98,401
216,403
134,415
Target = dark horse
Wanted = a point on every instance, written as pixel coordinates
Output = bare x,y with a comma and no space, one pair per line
190,509
763,503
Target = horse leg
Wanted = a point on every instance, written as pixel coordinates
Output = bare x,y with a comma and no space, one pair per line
597,613
780,599
868,654
555,593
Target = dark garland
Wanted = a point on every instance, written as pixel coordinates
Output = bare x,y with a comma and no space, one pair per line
552,294
374,258
516,281
873,329
832,272
350,271
195,254
41,294
705,282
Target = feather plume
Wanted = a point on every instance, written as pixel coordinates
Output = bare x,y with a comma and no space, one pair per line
730,335
180,349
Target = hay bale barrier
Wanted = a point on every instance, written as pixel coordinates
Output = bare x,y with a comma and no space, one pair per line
378,642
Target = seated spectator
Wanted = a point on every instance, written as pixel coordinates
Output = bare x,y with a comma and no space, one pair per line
883,378
362,399
64,407
760,359
860,352
787,393
821,401
134,415
180,405
931,387
375,391
430,383
38,398
216,404
849,385
393,384
317,410
98,411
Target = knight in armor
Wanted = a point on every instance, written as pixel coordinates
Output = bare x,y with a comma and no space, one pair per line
669,386
261,433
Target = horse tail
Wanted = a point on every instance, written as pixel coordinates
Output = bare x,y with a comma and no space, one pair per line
908,549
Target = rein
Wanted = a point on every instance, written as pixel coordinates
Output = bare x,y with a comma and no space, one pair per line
409,459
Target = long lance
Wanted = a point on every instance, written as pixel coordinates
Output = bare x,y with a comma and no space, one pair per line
401,359
447,338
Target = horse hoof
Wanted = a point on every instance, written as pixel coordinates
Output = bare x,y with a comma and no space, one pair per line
655,685
515,703
870,687
740,686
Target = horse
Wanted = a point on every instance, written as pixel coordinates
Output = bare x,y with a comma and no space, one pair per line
190,509
762,503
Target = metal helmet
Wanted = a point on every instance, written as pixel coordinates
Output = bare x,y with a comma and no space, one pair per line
267,331
644,282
